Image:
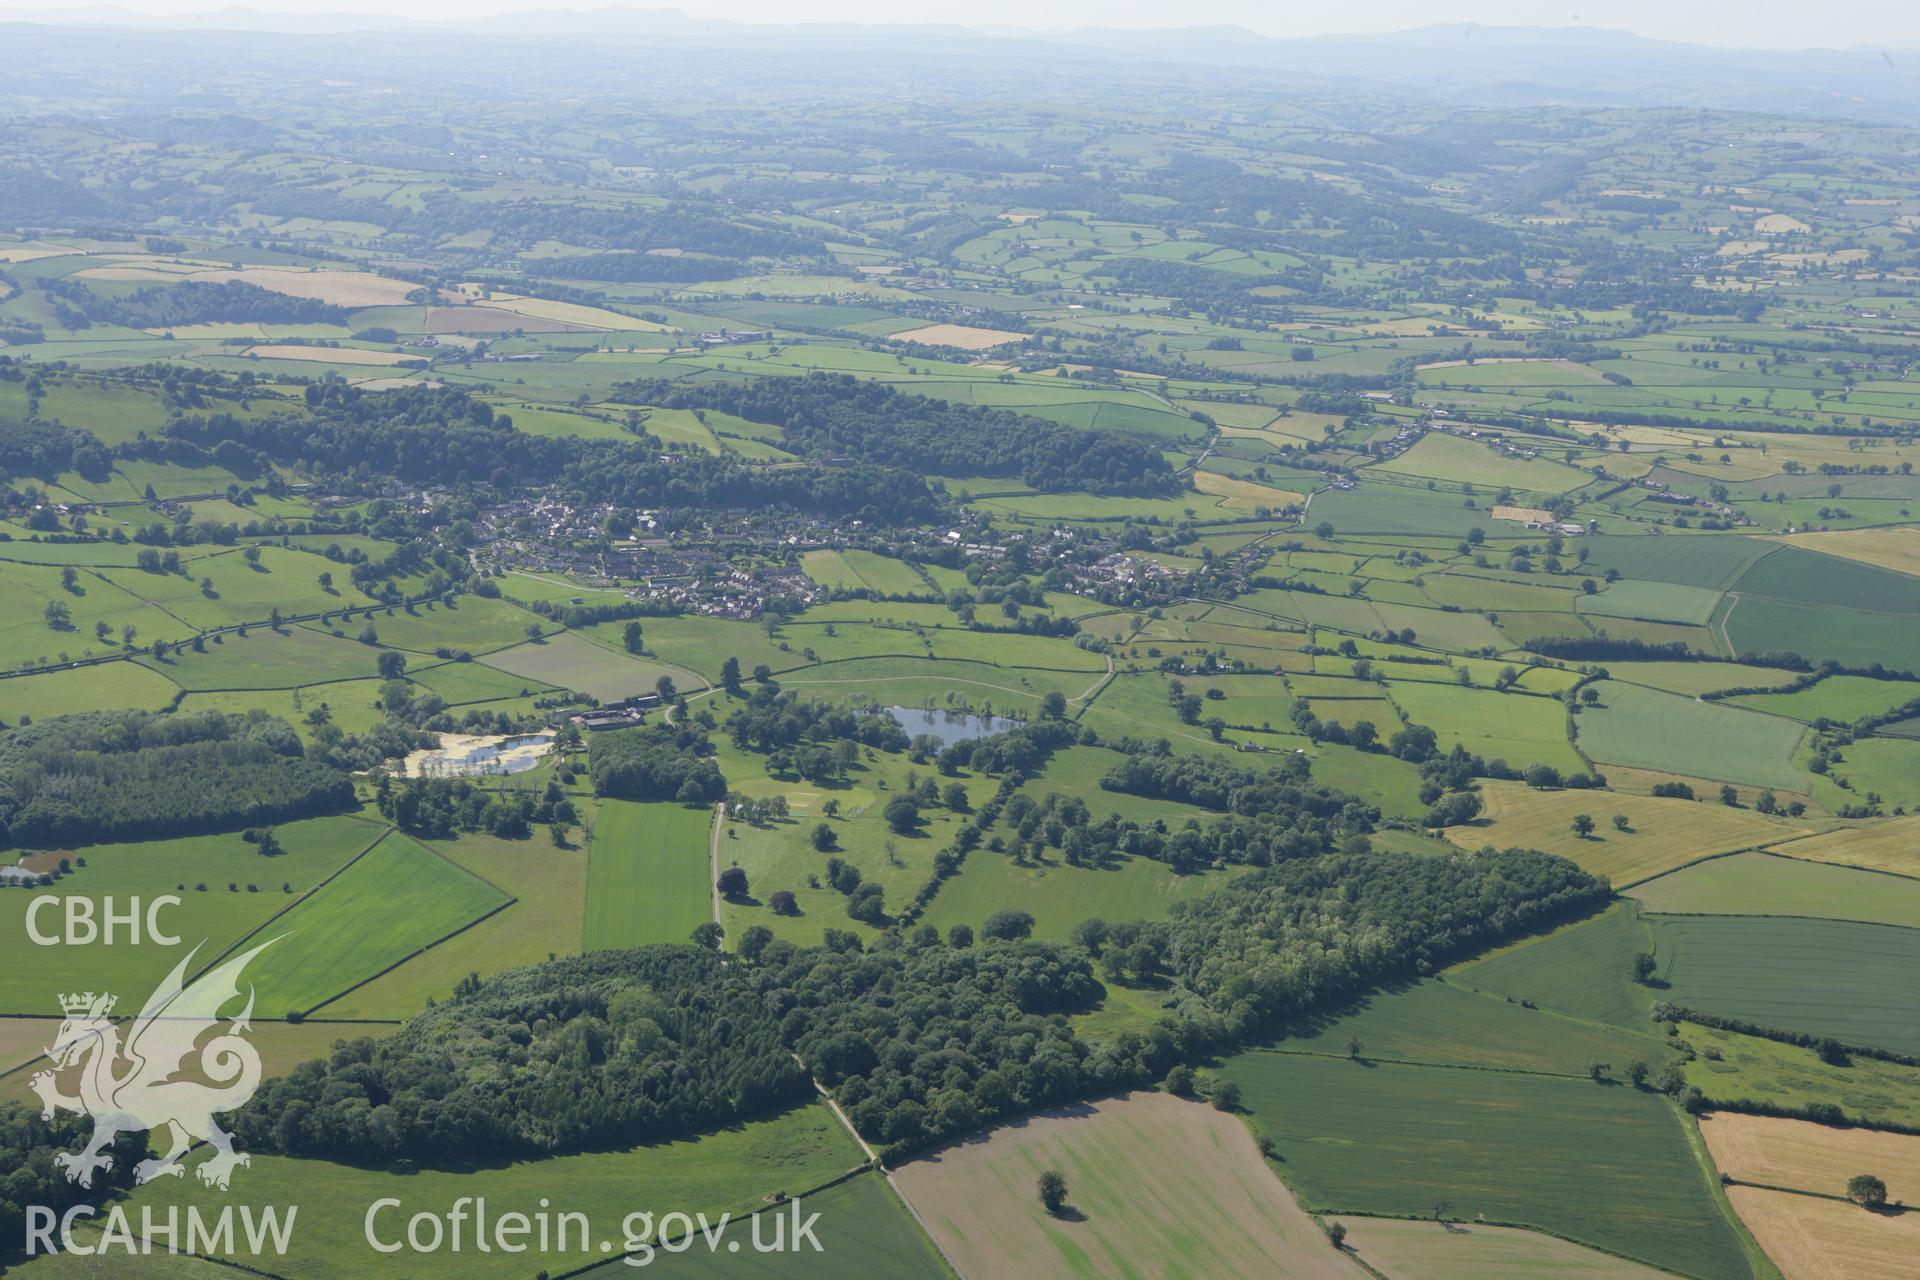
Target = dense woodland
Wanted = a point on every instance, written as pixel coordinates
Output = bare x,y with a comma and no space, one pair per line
840,416
100,776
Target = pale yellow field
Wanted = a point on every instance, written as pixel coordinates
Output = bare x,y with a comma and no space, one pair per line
331,355
1896,547
1804,1156
338,288
572,313
964,336
1779,224
1662,834
1813,1239
1893,845
1534,514
1243,495
1408,1250
1141,1170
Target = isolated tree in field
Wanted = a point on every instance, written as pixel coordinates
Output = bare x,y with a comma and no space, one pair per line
1440,1205
1729,797
58,615
1583,825
1353,1047
1637,1072
1053,1190
533,631
732,883
391,664
1590,696
902,814
1226,1096
69,578
824,838
1597,1071
325,580
831,808
1053,706
664,687
1337,1234
730,676
1767,802
252,556
1620,822
1867,1191
1323,530
1641,967
782,903
630,637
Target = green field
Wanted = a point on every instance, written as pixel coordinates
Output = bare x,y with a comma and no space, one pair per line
1759,884
1821,977
1059,896
728,1171
1514,727
226,889
863,1227
398,898
647,874
1842,698
1647,729
1580,969
1604,1165
266,659
570,661
1442,1023
1730,1068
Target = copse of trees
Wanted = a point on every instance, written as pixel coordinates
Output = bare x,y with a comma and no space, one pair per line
655,762
98,776
838,415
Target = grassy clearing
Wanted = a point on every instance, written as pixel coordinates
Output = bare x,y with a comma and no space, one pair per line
1646,729
1731,1067
1150,1176
1580,969
398,898
1822,977
1059,896
1851,637
1695,678
1653,601
647,875
266,659
731,1170
1605,1165
1660,834
1759,884
1475,1251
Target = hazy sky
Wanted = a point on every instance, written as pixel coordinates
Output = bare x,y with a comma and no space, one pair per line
1777,24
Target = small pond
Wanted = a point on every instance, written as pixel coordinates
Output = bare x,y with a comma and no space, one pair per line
950,726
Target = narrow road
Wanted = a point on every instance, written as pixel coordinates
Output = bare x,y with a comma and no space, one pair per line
713,856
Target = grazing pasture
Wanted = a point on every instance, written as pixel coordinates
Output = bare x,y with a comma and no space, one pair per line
1059,896
1515,727
267,659
1607,1166
570,661
1733,1068
1713,561
106,686
1647,729
1841,698
1759,625
1149,1176
1820,977
1652,601
647,874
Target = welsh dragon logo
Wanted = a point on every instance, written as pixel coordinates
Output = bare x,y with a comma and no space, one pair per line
136,1086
